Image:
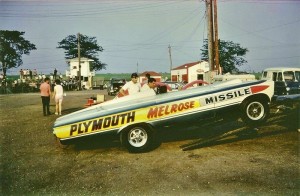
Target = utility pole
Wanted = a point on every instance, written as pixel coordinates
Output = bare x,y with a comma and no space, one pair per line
137,67
79,73
213,38
216,38
210,38
170,55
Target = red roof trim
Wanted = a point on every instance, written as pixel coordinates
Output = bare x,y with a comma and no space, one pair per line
187,65
152,73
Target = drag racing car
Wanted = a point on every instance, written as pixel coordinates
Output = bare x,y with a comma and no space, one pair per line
138,118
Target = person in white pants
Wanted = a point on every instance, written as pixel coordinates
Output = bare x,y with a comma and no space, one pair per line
58,96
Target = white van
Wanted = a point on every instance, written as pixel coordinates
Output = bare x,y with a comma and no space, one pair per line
228,76
287,80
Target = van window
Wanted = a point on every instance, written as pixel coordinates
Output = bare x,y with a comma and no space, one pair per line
297,76
265,74
279,78
274,76
289,76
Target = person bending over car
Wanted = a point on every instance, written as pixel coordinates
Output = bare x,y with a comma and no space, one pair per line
149,86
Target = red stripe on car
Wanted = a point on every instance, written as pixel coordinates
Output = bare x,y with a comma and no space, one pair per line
256,89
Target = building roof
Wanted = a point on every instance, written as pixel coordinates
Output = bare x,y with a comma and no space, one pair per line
187,65
81,59
282,69
152,73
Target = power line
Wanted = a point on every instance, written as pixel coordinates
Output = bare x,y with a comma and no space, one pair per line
262,1
79,12
288,57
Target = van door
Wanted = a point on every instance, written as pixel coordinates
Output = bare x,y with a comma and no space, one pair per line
280,86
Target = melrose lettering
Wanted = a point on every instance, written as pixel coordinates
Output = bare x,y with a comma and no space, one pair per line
102,123
164,110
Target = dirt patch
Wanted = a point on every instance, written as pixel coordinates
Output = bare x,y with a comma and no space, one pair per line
264,161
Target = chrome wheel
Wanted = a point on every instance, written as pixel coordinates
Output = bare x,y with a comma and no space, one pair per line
137,137
255,111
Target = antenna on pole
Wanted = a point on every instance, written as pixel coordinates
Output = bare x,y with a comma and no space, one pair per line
170,55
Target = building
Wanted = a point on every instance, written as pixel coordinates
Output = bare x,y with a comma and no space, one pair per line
86,72
190,72
155,75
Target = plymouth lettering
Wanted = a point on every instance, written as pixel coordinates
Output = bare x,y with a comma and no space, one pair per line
164,110
226,96
102,123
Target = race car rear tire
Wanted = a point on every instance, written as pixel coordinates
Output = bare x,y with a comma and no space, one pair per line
255,112
137,138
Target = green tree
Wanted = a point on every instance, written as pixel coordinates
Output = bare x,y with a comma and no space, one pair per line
88,49
12,47
231,55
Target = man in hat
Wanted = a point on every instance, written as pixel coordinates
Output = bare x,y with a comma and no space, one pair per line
132,87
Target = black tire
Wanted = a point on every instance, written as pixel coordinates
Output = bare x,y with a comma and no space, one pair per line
137,138
255,112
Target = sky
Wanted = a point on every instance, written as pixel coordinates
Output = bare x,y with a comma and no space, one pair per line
136,34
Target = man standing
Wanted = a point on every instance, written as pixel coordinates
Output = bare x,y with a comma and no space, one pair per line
55,73
30,73
45,95
132,87
21,74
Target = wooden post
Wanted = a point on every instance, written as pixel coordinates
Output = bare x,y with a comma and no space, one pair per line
216,38
210,38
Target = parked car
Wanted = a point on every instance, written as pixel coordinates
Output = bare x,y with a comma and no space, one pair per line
287,80
161,87
114,85
175,86
194,84
137,118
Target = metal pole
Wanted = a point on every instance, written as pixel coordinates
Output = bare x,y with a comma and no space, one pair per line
79,65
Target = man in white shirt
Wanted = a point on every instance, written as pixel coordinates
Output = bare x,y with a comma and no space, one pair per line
149,86
132,87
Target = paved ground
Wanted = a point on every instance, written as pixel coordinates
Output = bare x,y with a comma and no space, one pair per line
262,162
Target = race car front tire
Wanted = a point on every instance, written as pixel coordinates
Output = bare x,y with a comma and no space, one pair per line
137,138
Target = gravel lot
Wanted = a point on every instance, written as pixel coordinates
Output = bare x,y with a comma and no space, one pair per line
261,162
